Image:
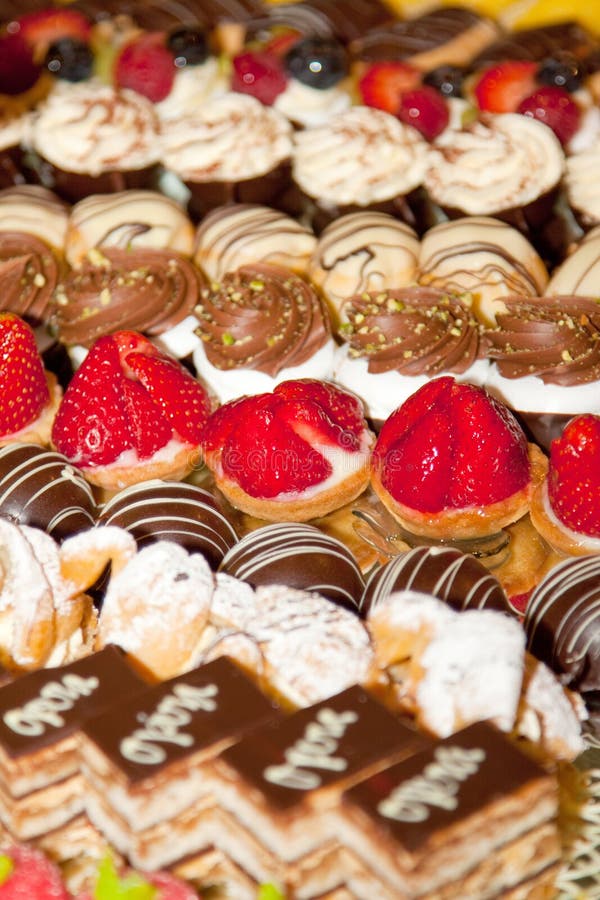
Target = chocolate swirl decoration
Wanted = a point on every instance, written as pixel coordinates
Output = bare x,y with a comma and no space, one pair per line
414,331
29,273
143,290
261,317
555,338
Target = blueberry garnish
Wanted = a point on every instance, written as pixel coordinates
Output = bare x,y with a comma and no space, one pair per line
448,80
70,59
317,62
188,46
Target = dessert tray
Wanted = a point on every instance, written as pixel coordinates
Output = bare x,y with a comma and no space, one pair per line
299,451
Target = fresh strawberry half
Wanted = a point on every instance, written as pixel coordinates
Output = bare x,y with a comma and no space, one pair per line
18,71
271,444
502,87
426,110
146,65
24,388
451,446
574,475
46,26
127,395
383,84
259,73
555,107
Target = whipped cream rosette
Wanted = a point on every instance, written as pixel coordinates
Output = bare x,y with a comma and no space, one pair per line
91,138
361,158
507,165
146,290
581,185
232,149
545,356
258,326
397,340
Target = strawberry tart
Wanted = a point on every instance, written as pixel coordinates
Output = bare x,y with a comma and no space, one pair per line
131,413
294,454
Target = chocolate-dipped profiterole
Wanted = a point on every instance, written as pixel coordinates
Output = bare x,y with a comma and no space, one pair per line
561,622
41,488
167,511
298,555
457,578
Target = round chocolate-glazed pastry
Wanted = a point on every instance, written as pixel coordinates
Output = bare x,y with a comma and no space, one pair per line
168,511
300,556
144,290
29,273
445,572
562,622
538,44
42,489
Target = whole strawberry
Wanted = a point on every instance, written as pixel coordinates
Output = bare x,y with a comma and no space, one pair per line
453,462
25,394
131,412
574,475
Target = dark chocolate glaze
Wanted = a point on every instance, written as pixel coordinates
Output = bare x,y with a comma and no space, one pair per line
184,513
161,15
457,578
562,622
300,556
324,18
363,734
537,44
46,706
41,488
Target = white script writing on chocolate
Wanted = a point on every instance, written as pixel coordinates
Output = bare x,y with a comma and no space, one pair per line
163,726
437,786
55,697
316,750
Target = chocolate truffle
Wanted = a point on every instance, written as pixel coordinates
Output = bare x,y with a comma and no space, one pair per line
41,488
448,574
561,622
184,513
300,556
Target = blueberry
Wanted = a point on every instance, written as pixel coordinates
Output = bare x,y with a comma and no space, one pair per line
448,80
70,59
563,71
189,47
317,62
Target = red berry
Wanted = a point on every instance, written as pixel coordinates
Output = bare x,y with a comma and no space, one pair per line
23,386
555,107
127,396
501,88
146,65
260,74
383,84
451,446
270,444
18,71
32,876
426,110
46,26
574,475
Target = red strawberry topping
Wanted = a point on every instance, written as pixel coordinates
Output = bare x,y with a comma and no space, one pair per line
18,70
451,446
501,88
127,395
555,107
46,26
383,84
24,389
574,475
259,73
27,873
426,110
146,65
270,444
